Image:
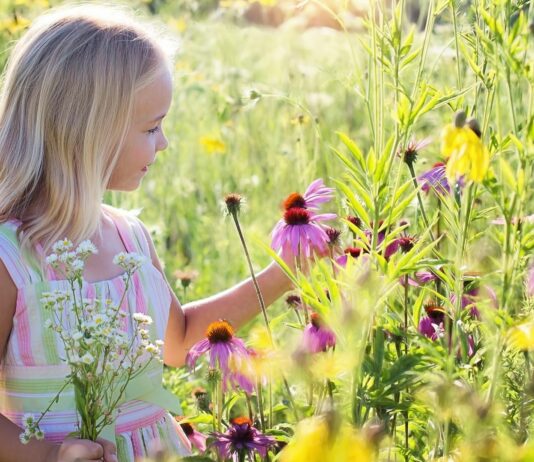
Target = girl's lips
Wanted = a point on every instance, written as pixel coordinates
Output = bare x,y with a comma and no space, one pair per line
145,169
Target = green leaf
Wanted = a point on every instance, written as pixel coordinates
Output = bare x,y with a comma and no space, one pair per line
354,202
353,148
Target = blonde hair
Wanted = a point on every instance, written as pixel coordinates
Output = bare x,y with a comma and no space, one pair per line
65,108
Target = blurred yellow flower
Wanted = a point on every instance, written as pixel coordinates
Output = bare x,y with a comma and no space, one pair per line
330,366
522,336
301,119
313,442
179,24
212,144
466,153
14,25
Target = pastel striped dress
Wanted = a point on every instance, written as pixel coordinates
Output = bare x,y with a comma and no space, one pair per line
32,370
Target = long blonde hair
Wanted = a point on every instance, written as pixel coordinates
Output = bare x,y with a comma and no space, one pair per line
65,108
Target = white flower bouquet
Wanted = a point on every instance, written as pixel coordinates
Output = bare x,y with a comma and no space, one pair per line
103,358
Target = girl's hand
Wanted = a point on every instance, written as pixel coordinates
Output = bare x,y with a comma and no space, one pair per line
76,450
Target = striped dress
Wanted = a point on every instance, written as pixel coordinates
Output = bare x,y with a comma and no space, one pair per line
32,370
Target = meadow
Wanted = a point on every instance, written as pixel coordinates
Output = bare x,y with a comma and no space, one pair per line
420,316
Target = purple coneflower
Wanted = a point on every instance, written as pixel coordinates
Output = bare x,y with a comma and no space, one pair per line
317,336
316,194
299,228
353,252
475,293
223,346
196,438
435,179
242,440
404,243
432,325
420,278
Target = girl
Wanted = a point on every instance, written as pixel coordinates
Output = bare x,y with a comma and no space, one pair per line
84,95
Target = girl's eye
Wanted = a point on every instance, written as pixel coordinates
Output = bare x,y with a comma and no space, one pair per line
153,130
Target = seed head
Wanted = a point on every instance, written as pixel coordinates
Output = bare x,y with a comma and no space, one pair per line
233,203
459,119
333,236
356,221
475,126
294,301
185,277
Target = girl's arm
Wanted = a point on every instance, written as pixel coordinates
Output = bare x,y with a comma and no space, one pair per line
187,325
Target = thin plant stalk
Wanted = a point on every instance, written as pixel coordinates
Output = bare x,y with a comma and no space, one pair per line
234,212
253,276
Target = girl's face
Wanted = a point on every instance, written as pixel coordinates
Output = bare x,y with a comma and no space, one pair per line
145,136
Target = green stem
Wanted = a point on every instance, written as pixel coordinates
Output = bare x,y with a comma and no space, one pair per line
419,199
253,276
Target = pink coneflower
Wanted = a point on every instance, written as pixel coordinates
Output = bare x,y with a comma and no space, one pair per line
242,440
432,325
317,336
404,243
222,346
353,252
196,438
435,179
316,194
420,278
299,228
473,294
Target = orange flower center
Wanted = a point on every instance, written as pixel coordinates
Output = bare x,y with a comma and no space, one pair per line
220,332
294,200
241,421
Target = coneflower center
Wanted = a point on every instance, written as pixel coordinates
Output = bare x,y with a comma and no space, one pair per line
316,320
294,200
354,252
241,421
187,428
219,332
297,216
435,312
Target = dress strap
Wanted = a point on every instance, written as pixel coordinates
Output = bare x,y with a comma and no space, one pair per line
132,234
12,256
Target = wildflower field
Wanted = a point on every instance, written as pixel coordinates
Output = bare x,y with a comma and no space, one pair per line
387,165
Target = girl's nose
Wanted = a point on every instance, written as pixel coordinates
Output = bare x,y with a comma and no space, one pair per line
162,143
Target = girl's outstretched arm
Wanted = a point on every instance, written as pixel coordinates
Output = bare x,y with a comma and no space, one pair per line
187,325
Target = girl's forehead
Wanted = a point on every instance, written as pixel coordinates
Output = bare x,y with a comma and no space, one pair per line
154,99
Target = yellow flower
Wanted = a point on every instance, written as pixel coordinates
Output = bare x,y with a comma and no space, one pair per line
466,153
522,336
314,443
212,144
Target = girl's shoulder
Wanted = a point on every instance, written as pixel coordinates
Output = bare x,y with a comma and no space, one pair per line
128,216
8,233
130,227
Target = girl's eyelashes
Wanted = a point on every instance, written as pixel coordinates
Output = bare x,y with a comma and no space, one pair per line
153,130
